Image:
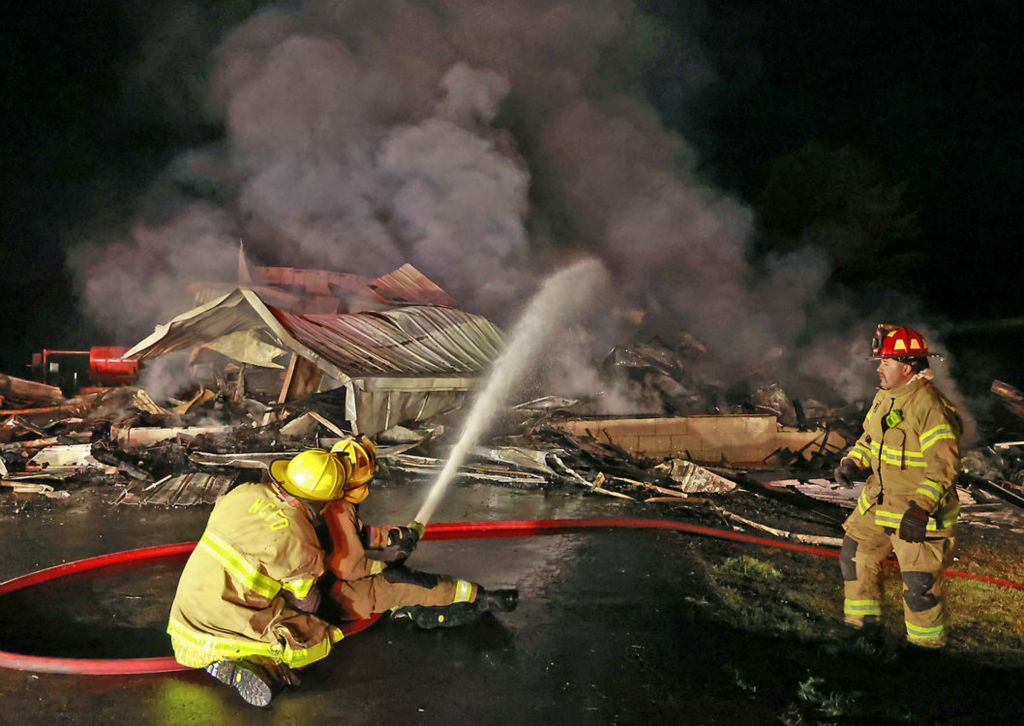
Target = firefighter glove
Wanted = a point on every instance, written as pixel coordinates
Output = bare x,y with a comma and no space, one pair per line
844,473
914,525
404,539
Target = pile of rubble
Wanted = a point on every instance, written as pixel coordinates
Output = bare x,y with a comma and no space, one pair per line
679,376
190,449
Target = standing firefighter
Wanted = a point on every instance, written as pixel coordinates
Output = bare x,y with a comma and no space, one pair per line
247,608
911,444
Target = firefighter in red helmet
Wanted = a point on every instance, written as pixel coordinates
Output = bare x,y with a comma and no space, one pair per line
910,452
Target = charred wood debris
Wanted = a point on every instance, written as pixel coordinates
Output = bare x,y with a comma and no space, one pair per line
193,447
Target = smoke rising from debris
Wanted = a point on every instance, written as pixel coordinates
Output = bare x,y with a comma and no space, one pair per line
486,143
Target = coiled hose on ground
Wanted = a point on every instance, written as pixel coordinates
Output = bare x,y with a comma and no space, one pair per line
441,531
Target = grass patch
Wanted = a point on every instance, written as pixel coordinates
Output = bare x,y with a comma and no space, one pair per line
831,703
759,595
781,594
749,567
985,618
814,704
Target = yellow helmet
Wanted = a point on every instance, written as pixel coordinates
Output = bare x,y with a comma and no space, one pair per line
316,474
362,455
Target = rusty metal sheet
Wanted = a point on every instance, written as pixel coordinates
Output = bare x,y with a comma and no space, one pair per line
419,340
185,490
409,285
316,282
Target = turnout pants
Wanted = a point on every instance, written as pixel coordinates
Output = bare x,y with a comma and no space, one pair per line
865,546
397,587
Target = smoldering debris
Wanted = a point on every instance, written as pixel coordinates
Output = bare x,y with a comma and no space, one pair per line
21,393
1010,397
178,491
705,445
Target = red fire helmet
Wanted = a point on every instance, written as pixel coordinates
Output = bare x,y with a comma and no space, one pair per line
891,341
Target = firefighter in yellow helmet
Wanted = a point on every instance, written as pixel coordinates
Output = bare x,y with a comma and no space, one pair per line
367,563
910,452
248,604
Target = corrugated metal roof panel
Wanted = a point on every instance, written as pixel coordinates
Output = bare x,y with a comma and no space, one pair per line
419,340
409,285
416,340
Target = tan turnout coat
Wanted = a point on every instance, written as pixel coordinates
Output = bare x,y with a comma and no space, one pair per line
911,443
259,543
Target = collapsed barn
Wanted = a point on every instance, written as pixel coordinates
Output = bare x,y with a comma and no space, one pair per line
285,359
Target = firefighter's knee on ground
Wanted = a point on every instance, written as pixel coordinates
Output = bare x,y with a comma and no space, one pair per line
916,594
847,559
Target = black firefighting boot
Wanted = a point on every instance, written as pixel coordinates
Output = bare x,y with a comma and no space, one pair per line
255,684
497,601
460,613
439,616
869,633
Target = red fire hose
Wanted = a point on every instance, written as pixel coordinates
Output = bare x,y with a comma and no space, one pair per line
445,530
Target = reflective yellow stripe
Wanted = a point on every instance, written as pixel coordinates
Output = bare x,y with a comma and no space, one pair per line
930,489
299,588
238,566
938,433
892,455
897,461
908,453
863,502
197,649
916,632
935,439
376,567
892,519
862,607
463,591
940,429
860,454
898,457
887,519
299,658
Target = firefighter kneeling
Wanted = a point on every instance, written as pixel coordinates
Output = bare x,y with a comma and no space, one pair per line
248,606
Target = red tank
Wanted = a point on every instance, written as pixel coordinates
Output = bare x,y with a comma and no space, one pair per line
107,368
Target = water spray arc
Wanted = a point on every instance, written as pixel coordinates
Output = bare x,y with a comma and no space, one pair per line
560,300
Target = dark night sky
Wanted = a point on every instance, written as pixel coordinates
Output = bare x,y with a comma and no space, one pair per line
926,90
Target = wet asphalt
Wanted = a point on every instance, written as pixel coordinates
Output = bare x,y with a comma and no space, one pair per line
612,627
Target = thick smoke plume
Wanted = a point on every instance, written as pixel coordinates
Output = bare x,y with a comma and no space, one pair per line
487,143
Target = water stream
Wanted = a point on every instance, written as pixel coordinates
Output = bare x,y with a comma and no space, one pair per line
559,301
